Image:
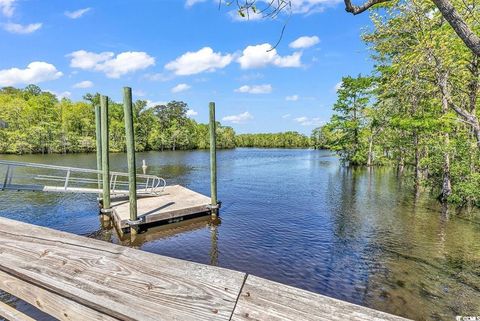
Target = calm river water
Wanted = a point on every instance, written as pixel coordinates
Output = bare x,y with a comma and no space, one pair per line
297,217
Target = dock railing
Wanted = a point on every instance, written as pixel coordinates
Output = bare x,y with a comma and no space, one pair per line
23,176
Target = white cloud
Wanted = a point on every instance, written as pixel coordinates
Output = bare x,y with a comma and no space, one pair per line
77,13
306,121
180,87
191,112
113,66
292,98
35,73
190,3
238,119
286,116
88,60
61,95
7,7
205,59
304,42
257,89
263,55
83,84
22,29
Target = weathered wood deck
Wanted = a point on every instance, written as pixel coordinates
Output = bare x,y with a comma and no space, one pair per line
173,204
76,278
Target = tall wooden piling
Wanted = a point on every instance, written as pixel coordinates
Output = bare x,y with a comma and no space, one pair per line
105,156
98,133
213,160
130,137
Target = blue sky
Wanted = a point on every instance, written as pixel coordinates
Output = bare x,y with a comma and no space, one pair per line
187,50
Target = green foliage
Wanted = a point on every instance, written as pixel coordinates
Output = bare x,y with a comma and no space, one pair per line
40,123
419,110
278,140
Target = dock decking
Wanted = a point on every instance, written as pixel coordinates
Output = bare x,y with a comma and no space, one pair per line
174,203
76,278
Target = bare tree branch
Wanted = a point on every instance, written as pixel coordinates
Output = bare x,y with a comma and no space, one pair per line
349,7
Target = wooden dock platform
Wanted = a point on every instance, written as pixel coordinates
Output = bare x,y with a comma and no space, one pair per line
72,278
172,205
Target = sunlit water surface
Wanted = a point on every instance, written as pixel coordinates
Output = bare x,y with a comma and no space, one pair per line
297,217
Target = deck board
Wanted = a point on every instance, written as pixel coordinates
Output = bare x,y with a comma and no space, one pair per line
121,282
266,300
176,201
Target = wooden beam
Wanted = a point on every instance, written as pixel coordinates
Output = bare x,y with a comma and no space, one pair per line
108,278
53,304
105,152
130,140
213,158
262,299
11,314
98,136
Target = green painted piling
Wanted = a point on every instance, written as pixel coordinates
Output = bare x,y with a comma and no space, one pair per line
130,137
213,159
98,133
105,150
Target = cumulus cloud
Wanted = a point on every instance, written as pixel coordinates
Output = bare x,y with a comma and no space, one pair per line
292,98
22,29
238,119
306,121
7,7
36,72
180,87
77,13
113,66
205,59
258,89
304,42
258,56
286,116
83,84
191,112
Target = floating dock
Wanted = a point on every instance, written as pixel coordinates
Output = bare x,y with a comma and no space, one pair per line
73,278
173,204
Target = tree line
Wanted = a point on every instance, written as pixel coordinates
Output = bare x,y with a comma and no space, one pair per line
418,109
38,122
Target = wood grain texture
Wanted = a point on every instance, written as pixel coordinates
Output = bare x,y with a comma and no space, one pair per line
121,282
267,301
53,304
11,314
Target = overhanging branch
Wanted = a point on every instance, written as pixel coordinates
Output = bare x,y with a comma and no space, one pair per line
349,7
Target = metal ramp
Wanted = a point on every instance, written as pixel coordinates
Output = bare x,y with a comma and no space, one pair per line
21,176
